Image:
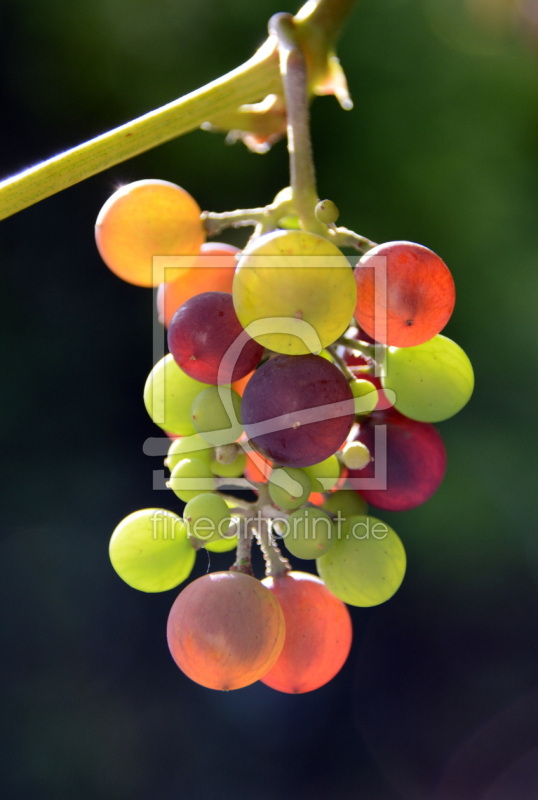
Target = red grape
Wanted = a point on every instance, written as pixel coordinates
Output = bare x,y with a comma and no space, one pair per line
415,461
200,336
419,288
306,405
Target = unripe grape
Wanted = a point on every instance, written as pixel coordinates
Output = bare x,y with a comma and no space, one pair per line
188,447
327,212
190,478
150,551
324,475
216,415
356,455
289,487
226,630
168,397
365,396
207,517
310,533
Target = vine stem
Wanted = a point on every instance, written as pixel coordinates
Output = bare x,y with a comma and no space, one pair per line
276,564
255,79
295,80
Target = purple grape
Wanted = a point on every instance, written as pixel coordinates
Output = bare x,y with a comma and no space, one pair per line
415,461
199,337
308,406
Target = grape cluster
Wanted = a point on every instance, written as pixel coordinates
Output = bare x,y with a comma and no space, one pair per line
308,381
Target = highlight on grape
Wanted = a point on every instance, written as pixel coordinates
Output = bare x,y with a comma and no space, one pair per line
297,375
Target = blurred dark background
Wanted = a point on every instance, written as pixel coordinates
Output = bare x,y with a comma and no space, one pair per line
439,699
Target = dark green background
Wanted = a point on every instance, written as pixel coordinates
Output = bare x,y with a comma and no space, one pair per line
439,699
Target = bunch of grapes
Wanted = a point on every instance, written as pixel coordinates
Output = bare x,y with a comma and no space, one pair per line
298,377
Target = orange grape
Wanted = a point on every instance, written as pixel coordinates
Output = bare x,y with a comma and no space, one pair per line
145,219
318,634
225,630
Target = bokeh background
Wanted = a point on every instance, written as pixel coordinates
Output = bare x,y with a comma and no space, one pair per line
439,699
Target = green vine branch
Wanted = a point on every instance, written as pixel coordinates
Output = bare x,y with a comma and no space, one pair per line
223,101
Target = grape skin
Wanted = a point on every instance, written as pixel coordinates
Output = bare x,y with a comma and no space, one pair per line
226,630
318,634
293,388
168,396
200,336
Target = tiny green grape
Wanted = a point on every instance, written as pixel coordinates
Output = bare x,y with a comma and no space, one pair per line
207,517
216,415
190,478
324,476
365,395
289,487
168,396
188,447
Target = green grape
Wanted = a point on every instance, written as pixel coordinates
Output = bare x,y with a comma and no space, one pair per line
294,292
188,447
432,381
289,487
345,504
150,550
366,566
310,533
207,517
324,476
190,478
168,396
229,541
365,394
233,470
216,415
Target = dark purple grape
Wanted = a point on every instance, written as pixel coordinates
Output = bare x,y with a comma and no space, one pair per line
415,461
297,410
199,337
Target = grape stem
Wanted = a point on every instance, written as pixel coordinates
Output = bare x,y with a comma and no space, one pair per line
356,346
343,237
276,564
243,558
319,23
341,363
295,81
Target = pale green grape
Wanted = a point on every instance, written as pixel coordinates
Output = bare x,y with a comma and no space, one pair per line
324,476
188,447
233,470
294,292
289,487
432,381
366,566
190,478
207,517
356,455
229,541
168,396
365,394
310,533
150,550
216,415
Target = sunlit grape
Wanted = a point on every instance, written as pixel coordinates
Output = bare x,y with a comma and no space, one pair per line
149,549
145,219
296,289
190,478
168,397
216,415
188,447
226,630
207,517
405,293
366,566
318,634
310,533
288,487
432,381
324,475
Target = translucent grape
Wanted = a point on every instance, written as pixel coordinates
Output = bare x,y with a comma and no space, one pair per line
216,415
412,467
365,394
318,634
344,505
226,630
366,566
297,410
233,470
188,447
145,219
310,533
432,381
207,340
356,455
150,551
324,476
297,288
168,397
405,293
288,487
207,517
213,271
190,478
